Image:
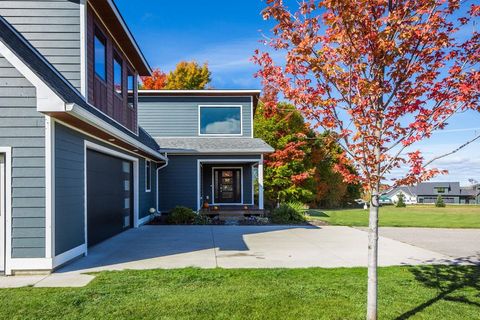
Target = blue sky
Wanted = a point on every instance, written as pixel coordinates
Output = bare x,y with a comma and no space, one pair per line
225,34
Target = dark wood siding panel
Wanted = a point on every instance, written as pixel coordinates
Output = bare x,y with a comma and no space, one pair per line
102,94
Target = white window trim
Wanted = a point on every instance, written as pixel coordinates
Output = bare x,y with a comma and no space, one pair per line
6,223
148,188
213,186
220,134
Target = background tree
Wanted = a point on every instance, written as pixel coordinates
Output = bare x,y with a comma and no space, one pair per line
157,81
381,75
288,172
186,76
439,203
400,202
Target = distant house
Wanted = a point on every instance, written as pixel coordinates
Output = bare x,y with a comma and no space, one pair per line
409,195
428,192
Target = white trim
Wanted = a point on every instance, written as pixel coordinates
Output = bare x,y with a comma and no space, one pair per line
157,185
47,99
200,161
2,212
49,187
7,151
30,264
69,255
83,114
88,145
148,188
213,185
260,184
251,116
83,49
220,134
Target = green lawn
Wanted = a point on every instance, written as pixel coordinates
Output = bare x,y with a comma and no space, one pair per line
454,216
433,292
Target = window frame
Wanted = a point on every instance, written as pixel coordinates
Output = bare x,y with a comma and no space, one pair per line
239,106
135,83
98,34
117,58
148,175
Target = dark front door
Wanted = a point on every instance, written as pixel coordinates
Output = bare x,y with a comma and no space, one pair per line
109,196
227,185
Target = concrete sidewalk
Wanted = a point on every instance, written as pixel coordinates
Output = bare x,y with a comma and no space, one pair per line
151,247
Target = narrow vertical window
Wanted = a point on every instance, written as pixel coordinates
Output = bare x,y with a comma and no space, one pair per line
99,56
148,176
131,90
117,75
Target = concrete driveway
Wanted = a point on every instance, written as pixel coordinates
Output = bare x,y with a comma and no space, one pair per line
151,247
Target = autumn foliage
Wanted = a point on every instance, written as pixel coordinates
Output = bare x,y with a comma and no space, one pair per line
380,75
186,76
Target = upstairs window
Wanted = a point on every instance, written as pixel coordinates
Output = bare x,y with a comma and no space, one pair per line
131,81
220,120
100,56
441,189
117,75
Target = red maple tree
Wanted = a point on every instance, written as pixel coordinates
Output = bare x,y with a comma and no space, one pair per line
157,81
379,75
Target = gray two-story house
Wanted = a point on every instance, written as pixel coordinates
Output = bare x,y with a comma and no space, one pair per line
76,167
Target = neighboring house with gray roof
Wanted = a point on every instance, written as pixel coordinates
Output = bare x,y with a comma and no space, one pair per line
84,155
409,195
427,192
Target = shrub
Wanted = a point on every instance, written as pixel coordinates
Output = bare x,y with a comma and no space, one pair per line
290,212
400,202
181,215
439,203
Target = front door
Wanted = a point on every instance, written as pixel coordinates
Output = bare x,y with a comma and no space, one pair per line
227,185
2,213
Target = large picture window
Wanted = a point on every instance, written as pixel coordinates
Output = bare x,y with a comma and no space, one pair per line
100,56
220,120
131,81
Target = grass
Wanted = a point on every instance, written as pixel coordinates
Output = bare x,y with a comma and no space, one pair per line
428,292
453,216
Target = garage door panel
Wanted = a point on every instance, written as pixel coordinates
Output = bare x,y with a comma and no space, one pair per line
109,185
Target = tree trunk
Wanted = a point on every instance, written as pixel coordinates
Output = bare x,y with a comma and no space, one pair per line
373,256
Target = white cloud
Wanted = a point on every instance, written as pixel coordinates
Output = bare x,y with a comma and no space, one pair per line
228,126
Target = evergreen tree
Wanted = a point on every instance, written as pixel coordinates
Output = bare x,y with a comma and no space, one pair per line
401,201
439,203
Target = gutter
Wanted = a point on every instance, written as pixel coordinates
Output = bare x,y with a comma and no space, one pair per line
157,192
83,114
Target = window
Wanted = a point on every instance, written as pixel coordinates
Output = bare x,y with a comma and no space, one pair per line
148,176
99,56
131,89
440,189
220,120
117,75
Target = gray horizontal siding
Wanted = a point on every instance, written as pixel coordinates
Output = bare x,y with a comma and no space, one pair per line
178,181
178,116
23,128
51,26
70,184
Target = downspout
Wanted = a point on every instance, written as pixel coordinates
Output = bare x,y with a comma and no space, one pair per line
158,170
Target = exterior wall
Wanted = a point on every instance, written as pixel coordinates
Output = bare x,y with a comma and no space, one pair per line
178,116
247,181
70,184
178,181
101,94
23,128
431,199
53,27
406,198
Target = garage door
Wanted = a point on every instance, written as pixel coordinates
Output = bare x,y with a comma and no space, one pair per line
109,196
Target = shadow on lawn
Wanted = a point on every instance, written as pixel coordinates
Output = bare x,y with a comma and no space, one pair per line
447,279
318,213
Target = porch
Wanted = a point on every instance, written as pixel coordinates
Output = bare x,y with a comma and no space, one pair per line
230,186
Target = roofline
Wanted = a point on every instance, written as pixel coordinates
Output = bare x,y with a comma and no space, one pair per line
111,4
202,92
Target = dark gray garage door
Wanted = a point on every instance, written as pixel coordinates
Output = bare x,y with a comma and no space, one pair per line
109,196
